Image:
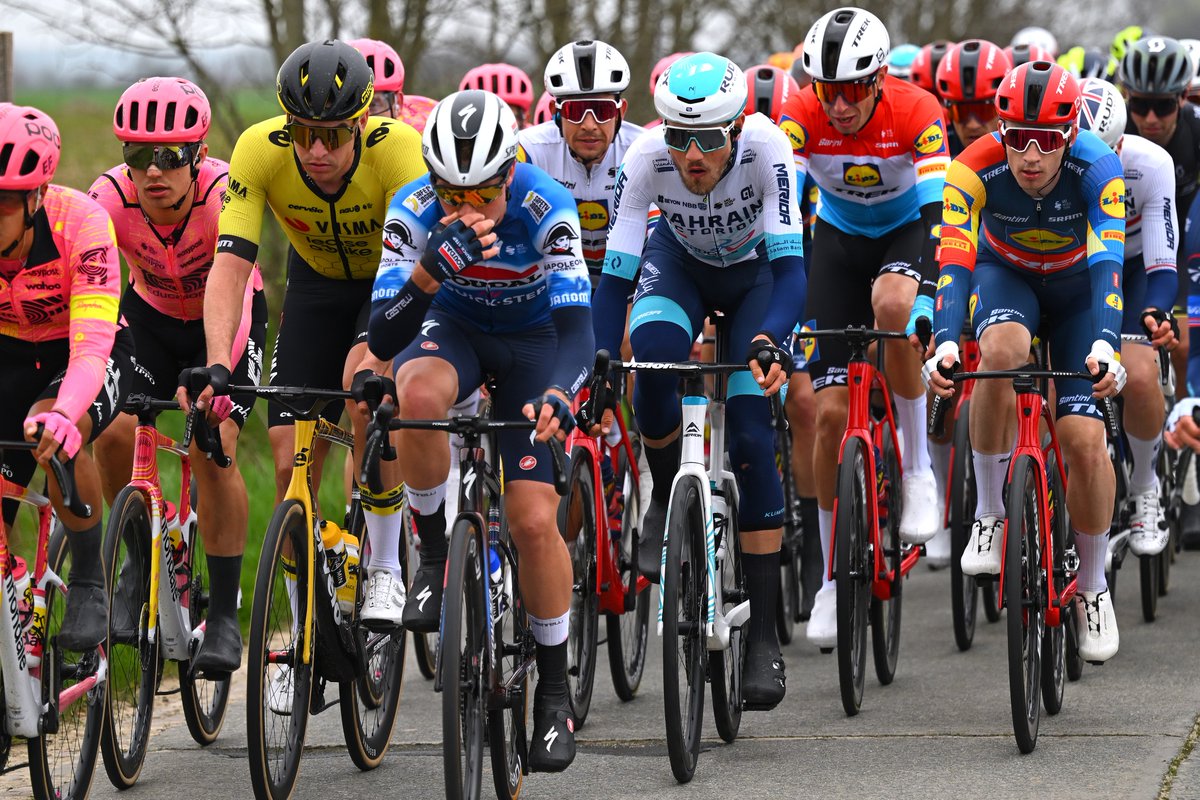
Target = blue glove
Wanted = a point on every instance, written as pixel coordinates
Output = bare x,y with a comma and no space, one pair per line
922,307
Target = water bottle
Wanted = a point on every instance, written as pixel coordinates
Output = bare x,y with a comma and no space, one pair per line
35,635
495,583
177,552
347,594
341,557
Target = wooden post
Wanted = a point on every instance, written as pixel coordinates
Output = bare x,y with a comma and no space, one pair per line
6,67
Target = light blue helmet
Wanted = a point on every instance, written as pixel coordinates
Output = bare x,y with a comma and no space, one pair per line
701,89
900,60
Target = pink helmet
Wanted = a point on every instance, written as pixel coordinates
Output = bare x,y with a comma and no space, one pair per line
415,110
29,147
162,110
386,63
511,83
544,112
662,66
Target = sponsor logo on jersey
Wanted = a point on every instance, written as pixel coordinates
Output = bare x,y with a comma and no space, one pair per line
593,214
974,301
931,140
429,345
1112,198
420,200
1114,301
861,175
527,463
944,281
954,207
1042,239
297,224
795,132
537,206
558,240
1113,236
809,346
956,244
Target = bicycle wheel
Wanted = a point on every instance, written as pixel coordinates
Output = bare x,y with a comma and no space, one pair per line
204,701
578,528
964,598
63,759
464,642
684,601
514,650
1073,661
628,633
1023,593
425,645
885,614
725,666
1054,651
852,554
1169,499
788,606
278,682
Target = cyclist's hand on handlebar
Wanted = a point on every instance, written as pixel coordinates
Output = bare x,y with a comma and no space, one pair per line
778,362
57,432
553,414
372,384
1161,327
1182,430
933,372
1114,379
200,384
461,240
920,326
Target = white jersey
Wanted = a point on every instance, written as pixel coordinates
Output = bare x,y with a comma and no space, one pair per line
592,187
1150,217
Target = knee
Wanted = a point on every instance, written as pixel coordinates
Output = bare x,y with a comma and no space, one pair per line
892,310
831,419
1003,351
535,529
421,395
801,406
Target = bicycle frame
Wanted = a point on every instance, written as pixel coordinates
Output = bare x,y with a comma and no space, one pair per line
970,361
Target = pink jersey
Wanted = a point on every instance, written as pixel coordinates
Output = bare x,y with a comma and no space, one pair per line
167,272
69,287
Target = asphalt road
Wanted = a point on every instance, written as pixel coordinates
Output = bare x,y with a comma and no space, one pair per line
941,730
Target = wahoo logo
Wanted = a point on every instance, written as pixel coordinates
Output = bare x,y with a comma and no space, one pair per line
861,175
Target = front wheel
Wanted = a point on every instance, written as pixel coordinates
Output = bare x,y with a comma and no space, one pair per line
1023,592
1150,567
852,557
885,613
725,666
578,528
1054,649
204,701
629,632
964,599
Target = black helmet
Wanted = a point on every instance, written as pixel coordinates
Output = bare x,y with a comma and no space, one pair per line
1156,65
325,81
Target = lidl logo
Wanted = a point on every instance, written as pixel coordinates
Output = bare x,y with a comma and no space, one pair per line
954,207
861,175
593,215
808,346
971,306
944,281
1112,198
1114,301
931,140
795,132
1041,239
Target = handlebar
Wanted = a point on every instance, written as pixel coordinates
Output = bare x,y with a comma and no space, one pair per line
208,438
592,409
64,474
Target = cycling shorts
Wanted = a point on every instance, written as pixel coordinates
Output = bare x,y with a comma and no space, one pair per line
322,319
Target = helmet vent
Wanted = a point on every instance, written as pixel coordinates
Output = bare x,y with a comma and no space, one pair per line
5,155
151,116
190,118
170,120
587,71
1033,101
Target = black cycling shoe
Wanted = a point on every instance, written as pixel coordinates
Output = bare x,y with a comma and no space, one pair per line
127,611
763,679
650,543
1189,526
552,748
85,621
220,653
423,610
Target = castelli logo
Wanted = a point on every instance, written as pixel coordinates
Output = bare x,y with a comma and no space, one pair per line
528,463
429,346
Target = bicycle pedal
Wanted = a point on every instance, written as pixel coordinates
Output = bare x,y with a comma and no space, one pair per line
826,650
1071,560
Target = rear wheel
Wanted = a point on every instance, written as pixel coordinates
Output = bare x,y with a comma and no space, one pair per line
885,614
514,649
964,599
464,641
852,557
1149,567
725,666
628,632
579,530
204,701
1023,592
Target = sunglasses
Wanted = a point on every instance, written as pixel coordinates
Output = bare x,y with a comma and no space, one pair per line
1048,140
707,139
1161,106
477,196
332,138
164,156
853,91
602,109
962,112
381,102
13,200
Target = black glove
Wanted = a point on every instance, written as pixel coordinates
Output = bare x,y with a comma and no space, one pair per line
450,250
370,388
1160,316
195,379
766,353
560,407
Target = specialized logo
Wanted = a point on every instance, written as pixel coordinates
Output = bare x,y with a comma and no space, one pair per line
423,595
1114,301
428,325
1042,240
527,463
464,117
931,140
1112,198
593,215
954,207
861,175
795,132
550,737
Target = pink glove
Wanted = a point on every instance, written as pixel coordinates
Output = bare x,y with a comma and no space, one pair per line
222,406
61,428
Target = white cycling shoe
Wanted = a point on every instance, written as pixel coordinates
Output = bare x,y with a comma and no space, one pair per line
822,624
920,520
1096,624
982,554
1148,533
384,603
281,691
937,549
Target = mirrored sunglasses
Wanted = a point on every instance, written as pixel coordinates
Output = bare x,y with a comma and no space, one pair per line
333,138
163,156
707,139
602,109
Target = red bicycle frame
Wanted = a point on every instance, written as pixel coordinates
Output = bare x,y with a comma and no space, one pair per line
970,362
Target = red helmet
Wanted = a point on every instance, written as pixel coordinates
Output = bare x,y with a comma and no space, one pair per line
544,111
769,88
924,66
511,83
972,70
1023,53
384,62
662,66
1039,93
162,110
29,147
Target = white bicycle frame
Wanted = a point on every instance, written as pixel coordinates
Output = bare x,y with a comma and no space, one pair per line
174,622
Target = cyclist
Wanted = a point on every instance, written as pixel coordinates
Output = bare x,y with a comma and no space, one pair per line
415,111
510,83
797,72
768,89
164,202
544,110
1033,221
1020,54
1120,45
876,146
1193,48
384,61
1085,62
967,79
900,60
490,280
1149,285
327,171
923,70
729,239
1038,37
64,362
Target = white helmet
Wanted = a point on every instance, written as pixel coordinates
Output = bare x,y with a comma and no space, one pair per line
470,138
1193,48
586,67
846,44
1102,111
701,89
1036,36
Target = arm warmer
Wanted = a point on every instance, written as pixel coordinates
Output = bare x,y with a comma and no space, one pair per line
395,321
787,297
576,347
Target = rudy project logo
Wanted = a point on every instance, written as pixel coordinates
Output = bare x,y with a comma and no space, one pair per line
931,140
954,207
795,132
1112,198
861,175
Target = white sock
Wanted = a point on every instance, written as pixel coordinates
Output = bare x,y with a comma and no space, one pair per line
1145,453
550,631
426,501
990,473
1092,553
910,416
385,532
825,524
939,457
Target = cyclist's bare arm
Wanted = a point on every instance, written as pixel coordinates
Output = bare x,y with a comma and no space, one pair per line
222,312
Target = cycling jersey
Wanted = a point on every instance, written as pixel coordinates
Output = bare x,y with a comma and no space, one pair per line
1078,226
1184,149
168,264
1149,208
877,179
337,235
68,288
592,187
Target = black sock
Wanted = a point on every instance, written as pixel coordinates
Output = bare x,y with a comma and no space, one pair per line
224,579
762,583
432,530
808,516
87,567
552,668
664,463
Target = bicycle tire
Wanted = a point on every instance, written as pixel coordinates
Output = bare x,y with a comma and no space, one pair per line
853,573
886,614
1022,598
578,528
425,645
787,609
1054,651
463,641
62,763
1169,498
1148,567
276,637
507,725
684,600
725,666
964,589
204,701
628,633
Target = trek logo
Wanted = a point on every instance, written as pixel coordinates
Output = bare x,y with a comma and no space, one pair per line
861,175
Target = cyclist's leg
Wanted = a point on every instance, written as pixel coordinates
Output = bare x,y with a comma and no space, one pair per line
801,407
